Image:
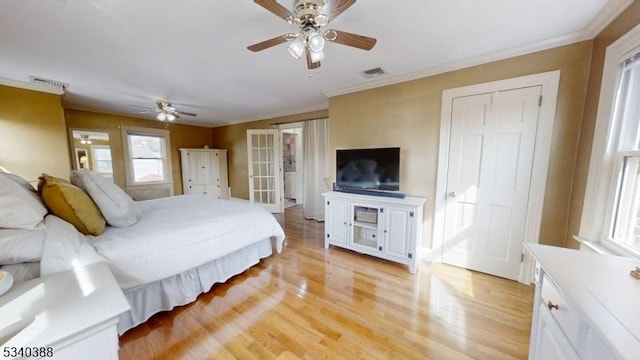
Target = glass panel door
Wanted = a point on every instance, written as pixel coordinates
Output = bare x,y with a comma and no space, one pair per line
264,154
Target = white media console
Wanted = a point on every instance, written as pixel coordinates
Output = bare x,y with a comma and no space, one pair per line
388,228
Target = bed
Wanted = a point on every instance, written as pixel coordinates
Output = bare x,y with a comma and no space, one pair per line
218,239
179,247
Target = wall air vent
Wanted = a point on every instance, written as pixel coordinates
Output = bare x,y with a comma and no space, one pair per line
54,83
373,73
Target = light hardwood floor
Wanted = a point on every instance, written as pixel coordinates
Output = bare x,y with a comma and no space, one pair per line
311,303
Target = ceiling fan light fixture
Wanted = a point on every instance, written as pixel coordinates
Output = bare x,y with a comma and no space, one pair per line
162,116
296,48
84,139
170,117
322,20
317,56
315,41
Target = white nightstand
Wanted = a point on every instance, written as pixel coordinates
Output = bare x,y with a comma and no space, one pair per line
68,315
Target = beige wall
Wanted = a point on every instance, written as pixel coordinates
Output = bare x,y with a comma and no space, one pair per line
33,138
621,25
234,139
408,115
182,136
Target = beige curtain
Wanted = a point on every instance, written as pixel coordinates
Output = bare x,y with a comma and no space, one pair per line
316,167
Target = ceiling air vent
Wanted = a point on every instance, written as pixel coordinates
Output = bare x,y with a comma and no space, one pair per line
373,73
49,82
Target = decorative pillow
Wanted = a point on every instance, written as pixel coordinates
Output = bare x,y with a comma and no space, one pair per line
116,206
19,208
72,204
18,245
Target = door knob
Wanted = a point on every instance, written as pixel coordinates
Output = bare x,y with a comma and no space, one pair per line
452,194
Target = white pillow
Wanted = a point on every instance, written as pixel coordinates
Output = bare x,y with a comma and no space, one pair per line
116,206
66,248
18,246
19,180
19,207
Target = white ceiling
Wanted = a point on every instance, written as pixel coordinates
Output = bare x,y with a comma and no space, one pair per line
114,53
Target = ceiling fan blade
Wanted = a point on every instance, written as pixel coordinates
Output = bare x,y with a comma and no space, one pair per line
147,112
185,113
142,106
349,39
275,8
334,8
269,43
310,64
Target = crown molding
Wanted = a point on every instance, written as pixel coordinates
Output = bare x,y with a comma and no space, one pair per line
610,11
601,21
31,86
317,107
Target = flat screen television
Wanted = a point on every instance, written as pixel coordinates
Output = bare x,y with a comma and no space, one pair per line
369,169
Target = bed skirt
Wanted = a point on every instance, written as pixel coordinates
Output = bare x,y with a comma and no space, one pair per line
185,287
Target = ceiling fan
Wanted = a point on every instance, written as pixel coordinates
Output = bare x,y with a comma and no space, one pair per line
310,16
164,111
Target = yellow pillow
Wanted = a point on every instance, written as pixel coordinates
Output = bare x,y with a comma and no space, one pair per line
72,204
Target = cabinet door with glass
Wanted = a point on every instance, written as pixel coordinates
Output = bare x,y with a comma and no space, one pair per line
366,224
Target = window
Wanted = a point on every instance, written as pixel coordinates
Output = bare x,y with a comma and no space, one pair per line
610,215
625,225
102,160
147,156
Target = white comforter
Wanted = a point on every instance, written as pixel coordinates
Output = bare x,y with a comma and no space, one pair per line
179,233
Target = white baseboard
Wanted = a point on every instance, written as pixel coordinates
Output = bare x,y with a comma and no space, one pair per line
429,255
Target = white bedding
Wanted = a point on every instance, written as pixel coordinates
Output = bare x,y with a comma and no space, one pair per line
180,233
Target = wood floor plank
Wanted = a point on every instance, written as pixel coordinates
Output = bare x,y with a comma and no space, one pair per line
312,303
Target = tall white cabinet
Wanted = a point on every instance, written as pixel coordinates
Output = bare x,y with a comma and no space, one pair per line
387,228
204,171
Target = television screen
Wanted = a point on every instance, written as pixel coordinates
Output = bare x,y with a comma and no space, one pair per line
376,169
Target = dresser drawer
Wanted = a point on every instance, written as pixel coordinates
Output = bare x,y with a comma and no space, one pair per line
568,321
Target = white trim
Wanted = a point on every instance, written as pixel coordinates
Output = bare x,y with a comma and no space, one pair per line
604,18
549,82
610,11
311,108
595,217
31,86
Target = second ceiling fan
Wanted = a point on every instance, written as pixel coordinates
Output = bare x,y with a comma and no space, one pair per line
311,16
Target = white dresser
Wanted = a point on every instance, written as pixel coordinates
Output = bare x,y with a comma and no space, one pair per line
586,306
204,171
69,315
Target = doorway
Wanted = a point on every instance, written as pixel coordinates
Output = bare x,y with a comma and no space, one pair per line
292,163
494,151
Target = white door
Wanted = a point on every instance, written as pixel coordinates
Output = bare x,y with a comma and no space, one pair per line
265,168
490,163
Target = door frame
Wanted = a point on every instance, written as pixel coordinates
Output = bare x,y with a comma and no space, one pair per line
299,158
549,82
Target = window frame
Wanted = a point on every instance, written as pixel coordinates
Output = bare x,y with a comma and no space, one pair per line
603,179
95,160
167,164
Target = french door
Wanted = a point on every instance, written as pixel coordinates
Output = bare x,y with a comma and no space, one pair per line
265,168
